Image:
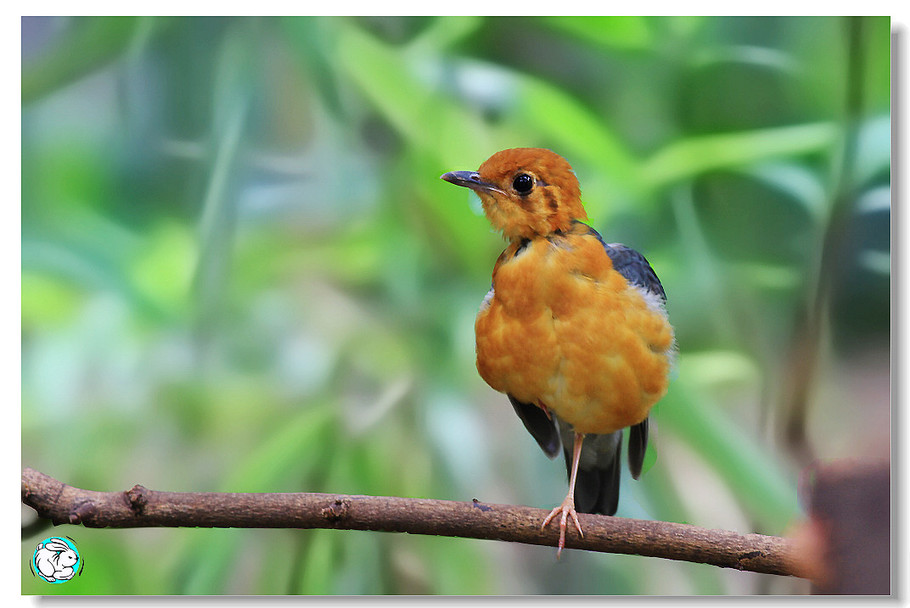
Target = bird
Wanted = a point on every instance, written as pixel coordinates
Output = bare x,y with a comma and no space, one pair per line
573,330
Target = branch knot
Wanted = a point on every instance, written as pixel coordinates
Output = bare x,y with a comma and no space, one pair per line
338,510
81,512
138,498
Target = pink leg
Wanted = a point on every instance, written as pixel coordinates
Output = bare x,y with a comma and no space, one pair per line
567,507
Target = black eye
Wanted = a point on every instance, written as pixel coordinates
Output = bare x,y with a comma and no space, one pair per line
523,183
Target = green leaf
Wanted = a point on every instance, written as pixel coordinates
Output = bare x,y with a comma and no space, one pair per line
627,33
163,267
560,118
873,148
46,302
295,451
755,475
388,77
686,158
445,32
87,44
799,182
720,367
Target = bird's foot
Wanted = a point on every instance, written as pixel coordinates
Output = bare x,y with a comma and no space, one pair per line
566,509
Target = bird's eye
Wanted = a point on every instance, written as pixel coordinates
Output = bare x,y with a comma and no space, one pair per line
523,183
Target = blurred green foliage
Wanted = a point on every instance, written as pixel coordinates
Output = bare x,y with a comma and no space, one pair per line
241,272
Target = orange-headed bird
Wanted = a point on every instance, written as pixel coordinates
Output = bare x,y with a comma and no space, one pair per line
574,331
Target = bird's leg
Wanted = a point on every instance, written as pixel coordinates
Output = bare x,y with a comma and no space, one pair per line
567,507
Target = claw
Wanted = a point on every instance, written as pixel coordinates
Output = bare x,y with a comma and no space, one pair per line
567,508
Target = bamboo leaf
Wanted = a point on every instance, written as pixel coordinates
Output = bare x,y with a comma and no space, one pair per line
686,158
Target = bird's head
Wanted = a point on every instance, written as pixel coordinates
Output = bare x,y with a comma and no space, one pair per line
525,192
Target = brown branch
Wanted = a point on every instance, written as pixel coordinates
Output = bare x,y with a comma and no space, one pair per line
141,507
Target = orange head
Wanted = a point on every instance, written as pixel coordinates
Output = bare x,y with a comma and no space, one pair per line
525,192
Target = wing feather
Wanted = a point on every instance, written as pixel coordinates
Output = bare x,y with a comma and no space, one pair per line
541,426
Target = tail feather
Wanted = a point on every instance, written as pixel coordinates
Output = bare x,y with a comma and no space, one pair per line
597,481
597,486
638,444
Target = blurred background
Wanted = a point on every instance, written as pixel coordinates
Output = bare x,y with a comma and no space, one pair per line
241,272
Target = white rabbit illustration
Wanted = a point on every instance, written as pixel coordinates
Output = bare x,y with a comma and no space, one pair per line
55,559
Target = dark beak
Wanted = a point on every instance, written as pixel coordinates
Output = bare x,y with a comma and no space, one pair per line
469,179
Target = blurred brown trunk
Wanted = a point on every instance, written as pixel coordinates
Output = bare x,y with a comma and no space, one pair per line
846,545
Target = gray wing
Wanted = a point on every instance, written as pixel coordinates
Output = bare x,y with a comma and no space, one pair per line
637,271
629,263
541,426
635,268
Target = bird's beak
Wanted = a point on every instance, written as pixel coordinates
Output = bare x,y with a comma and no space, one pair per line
469,179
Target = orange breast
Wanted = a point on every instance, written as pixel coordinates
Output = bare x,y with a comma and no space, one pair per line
565,330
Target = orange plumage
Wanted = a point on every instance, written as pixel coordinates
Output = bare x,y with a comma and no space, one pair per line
565,330
572,326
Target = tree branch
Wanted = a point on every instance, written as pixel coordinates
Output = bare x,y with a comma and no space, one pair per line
141,507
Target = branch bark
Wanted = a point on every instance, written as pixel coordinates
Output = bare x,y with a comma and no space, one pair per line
141,507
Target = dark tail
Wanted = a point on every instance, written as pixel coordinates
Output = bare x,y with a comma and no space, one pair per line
597,482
